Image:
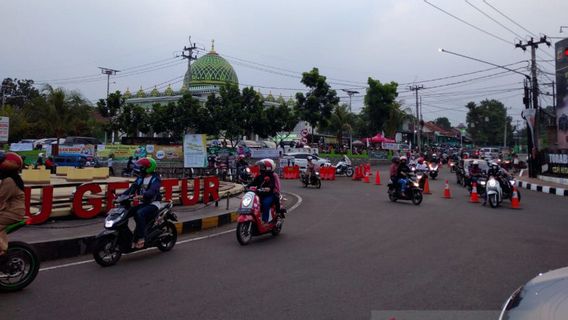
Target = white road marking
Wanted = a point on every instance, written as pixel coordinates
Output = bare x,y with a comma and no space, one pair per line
295,206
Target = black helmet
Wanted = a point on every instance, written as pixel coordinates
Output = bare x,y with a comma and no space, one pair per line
261,166
395,159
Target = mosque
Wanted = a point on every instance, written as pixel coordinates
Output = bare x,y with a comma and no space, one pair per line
203,77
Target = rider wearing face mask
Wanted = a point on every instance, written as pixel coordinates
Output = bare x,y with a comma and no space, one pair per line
12,199
402,174
266,187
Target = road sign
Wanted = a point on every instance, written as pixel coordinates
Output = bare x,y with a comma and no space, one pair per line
304,132
304,140
4,129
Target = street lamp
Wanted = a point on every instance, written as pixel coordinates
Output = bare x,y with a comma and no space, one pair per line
350,93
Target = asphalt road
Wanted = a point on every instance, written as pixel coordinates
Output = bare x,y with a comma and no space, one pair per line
345,252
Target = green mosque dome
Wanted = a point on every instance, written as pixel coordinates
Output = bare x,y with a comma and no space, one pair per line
211,70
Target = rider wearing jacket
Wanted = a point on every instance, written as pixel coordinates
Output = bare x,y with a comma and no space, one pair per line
421,166
147,185
266,187
402,174
12,199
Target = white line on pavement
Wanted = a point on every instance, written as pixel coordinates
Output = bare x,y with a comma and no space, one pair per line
295,206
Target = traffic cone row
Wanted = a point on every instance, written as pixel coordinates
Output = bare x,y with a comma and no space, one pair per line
358,175
377,178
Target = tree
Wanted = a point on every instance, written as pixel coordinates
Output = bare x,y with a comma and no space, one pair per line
341,122
110,109
256,121
486,122
283,120
133,119
443,123
316,106
19,125
17,92
379,103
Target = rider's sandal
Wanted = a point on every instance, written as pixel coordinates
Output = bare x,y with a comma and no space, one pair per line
139,244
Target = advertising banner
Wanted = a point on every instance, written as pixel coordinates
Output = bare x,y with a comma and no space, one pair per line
265,153
195,151
77,149
378,155
556,164
562,93
16,147
123,152
4,129
390,146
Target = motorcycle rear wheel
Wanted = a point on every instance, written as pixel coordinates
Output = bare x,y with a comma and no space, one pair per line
392,196
318,183
244,232
167,240
349,172
106,253
20,262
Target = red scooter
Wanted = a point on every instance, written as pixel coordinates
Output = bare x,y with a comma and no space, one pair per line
249,222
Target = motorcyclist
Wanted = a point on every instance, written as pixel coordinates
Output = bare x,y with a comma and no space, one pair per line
494,170
475,171
421,166
277,187
310,168
242,164
402,174
394,169
266,186
147,186
12,199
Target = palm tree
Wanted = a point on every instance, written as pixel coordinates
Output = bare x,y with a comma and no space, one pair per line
341,121
395,119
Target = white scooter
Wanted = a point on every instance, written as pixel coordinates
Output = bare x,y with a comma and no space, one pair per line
493,192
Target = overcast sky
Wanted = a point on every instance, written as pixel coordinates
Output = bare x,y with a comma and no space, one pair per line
349,41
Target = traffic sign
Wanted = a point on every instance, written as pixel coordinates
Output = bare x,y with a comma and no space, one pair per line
304,140
4,129
304,132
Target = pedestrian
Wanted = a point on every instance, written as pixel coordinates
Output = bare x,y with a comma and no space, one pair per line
50,165
109,164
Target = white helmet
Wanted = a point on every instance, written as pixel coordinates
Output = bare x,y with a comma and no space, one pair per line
269,163
403,158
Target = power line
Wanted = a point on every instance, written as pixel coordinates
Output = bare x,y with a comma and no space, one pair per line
469,24
492,19
507,17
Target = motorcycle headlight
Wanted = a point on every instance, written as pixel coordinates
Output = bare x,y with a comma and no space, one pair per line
492,183
247,170
482,183
109,223
415,184
512,182
247,201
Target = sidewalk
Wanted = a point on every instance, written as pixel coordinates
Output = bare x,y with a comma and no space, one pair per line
65,238
539,185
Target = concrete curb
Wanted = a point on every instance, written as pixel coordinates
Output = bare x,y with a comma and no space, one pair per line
68,248
544,189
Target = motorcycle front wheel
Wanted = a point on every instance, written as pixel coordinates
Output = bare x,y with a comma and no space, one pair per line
278,228
416,197
244,232
18,267
167,240
392,196
107,251
493,201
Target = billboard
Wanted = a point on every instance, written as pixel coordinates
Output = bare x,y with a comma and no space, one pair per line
4,129
562,92
195,151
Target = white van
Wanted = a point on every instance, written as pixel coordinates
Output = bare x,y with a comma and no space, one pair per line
489,153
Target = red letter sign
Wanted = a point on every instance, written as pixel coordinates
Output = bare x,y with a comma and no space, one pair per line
211,189
96,203
168,185
185,200
46,205
110,192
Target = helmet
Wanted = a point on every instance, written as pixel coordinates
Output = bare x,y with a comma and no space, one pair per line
40,155
269,165
475,163
403,158
421,160
10,161
145,166
395,159
310,158
261,165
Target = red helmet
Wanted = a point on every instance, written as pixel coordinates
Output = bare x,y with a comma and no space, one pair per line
266,165
421,160
10,161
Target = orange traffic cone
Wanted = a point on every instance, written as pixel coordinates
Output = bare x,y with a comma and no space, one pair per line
426,186
447,193
356,174
474,197
366,179
515,203
377,178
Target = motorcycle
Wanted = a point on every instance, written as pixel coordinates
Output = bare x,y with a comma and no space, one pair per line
344,167
481,184
433,170
244,175
19,266
117,237
314,181
413,191
249,222
494,193
421,176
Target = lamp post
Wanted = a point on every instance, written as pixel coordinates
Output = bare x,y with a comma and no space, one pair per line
350,93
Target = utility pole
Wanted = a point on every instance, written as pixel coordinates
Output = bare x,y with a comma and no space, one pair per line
534,88
190,56
109,72
350,93
417,123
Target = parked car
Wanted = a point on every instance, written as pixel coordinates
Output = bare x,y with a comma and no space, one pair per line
27,141
489,153
301,159
543,297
